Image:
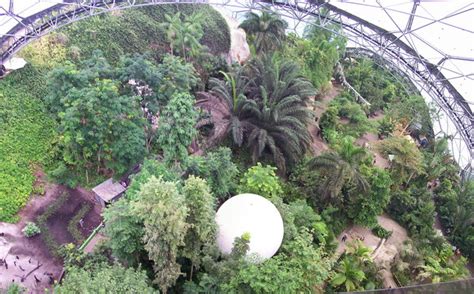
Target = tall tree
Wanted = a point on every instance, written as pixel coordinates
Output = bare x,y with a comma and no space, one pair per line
184,34
176,127
201,219
364,207
218,170
124,230
300,267
98,125
267,30
164,213
280,124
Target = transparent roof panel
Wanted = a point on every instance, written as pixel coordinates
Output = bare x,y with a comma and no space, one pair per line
439,29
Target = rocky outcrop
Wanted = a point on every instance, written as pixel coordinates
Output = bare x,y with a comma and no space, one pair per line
239,49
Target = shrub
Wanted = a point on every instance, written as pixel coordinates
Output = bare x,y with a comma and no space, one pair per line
381,232
31,229
218,170
262,181
386,127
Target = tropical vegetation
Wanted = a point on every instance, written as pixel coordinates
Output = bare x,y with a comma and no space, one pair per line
160,110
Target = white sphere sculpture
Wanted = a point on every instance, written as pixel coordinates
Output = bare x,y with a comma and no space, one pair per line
253,214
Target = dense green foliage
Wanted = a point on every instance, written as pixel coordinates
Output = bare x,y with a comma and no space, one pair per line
261,180
131,110
163,211
26,134
386,90
299,268
217,168
264,105
456,212
356,270
201,217
415,265
317,53
363,208
344,116
99,126
176,127
104,278
140,30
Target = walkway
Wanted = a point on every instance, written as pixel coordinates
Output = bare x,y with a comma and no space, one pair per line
318,107
386,251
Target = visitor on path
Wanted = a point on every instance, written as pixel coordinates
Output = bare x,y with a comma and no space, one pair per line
81,223
344,238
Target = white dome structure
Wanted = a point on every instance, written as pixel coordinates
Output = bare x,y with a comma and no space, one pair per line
253,214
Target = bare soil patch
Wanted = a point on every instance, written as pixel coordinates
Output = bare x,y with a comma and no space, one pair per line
23,255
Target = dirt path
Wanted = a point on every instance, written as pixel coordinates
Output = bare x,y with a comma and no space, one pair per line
368,141
319,107
382,252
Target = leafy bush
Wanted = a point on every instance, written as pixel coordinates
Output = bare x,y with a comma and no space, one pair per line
414,209
317,53
261,180
151,167
31,229
14,288
364,207
217,168
381,232
104,278
47,51
418,265
386,127
455,206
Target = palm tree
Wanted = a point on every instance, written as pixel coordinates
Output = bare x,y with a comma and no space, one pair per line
348,274
358,251
281,129
184,36
228,106
280,124
340,166
266,30
278,78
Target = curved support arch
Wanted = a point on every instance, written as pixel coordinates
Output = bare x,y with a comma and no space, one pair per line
425,75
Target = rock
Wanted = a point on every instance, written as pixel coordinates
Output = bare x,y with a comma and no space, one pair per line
239,49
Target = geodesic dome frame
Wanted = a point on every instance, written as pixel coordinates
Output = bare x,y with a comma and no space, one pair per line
22,23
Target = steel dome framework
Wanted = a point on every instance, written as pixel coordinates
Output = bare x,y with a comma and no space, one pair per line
18,27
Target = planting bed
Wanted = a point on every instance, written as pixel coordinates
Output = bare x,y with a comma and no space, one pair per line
25,254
